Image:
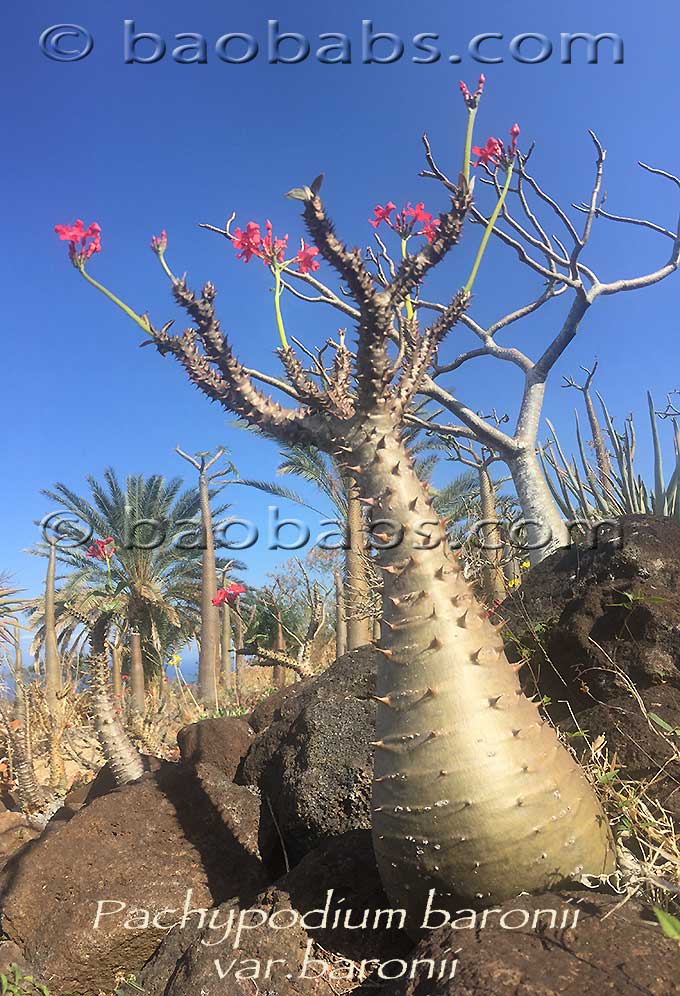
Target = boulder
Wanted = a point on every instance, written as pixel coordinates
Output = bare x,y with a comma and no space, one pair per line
313,763
223,742
172,837
269,708
345,866
591,616
640,738
104,781
521,951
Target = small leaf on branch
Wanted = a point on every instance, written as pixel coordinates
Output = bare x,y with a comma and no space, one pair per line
300,194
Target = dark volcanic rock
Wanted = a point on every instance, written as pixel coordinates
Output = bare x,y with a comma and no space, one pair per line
644,748
313,763
269,709
601,613
185,965
223,742
624,955
145,845
104,781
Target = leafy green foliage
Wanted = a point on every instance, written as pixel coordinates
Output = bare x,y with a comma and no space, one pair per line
18,984
10,607
155,577
669,924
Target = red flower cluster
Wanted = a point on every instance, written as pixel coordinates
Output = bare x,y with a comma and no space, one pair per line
249,242
472,99
405,221
228,594
102,549
83,242
159,243
494,153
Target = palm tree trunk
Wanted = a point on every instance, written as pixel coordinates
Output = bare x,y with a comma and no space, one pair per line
52,662
210,616
137,688
473,794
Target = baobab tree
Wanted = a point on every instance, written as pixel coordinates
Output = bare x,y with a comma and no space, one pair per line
474,794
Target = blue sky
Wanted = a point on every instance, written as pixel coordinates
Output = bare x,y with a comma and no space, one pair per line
139,148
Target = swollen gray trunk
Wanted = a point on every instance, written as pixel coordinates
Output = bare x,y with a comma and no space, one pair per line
546,530
474,795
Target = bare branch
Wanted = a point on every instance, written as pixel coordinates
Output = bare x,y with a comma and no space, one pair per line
661,172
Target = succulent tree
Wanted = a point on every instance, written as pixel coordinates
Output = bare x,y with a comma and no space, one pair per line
122,757
272,600
474,795
526,213
604,464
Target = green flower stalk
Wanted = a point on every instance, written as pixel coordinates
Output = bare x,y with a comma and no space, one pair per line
250,242
472,103
493,152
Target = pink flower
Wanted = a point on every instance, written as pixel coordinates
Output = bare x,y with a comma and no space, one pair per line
404,221
382,214
272,249
305,259
514,134
102,549
490,152
418,213
429,229
159,243
228,594
248,241
83,242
